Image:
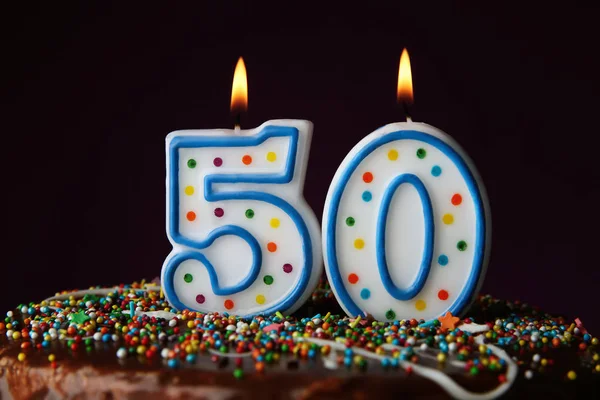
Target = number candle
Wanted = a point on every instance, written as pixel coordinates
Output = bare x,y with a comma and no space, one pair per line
244,239
406,224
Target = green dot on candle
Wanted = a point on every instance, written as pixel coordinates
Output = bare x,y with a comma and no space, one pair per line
268,279
188,278
421,153
249,213
191,163
462,245
390,314
350,221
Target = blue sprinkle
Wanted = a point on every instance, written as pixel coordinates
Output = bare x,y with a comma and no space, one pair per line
395,362
190,358
436,171
347,361
131,309
106,337
385,363
443,260
173,363
367,196
365,294
348,352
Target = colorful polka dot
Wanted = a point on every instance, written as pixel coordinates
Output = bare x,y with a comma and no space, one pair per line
462,245
229,304
443,260
219,212
191,163
260,299
420,305
249,213
271,156
367,196
350,221
359,244
368,177
268,279
353,278
188,278
218,161
436,171
365,294
191,216
393,155
390,314
456,199
421,153
189,190
247,160
274,223
200,299
448,219
287,268
272,247
443,295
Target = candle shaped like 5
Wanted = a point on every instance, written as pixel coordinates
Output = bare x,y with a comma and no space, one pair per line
406,225
244,239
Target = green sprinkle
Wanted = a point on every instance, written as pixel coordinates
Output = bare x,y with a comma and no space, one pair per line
279,315
238,373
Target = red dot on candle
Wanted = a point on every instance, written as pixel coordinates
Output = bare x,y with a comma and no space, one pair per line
272,247
456,199
247,160
353,278
228,304
218,161
368,177
190,216
219,212
287,268
200,299
443,295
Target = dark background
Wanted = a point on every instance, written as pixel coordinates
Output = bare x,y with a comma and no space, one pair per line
90,91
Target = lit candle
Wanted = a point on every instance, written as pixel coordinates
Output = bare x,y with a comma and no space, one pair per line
244,239
406,224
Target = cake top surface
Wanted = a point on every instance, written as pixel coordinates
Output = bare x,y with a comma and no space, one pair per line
131,329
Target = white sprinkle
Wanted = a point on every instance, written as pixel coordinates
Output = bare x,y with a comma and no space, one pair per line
528,374
89,304
411,341
33,335
162,336
24,310
536,358
173,323
230,327
510,325
122,353
92,315
9,333
499,322
97,336
52,331
424,347
9,314
115,338
164,353
317,321
452,347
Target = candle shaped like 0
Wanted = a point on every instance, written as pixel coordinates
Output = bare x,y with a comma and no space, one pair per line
406,224
244,239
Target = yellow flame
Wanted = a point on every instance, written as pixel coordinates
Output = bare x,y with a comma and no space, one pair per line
405,87
239,89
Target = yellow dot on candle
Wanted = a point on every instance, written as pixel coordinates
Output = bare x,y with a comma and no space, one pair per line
393,155
448,219
420,305
189,190
260,299
274,223
271,156
359,243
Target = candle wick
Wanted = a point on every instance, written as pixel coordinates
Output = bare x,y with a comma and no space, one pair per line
237,123
406,111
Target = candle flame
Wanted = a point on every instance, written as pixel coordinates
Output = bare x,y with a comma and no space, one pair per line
239,89
405,87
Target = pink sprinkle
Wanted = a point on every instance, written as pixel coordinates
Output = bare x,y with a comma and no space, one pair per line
273,327
580,325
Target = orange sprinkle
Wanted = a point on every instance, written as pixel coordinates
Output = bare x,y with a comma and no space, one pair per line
272,247
247,160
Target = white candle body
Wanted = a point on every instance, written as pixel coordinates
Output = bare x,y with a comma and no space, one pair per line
406,225
244,239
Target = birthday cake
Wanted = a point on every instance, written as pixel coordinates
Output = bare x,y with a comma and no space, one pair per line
128,342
